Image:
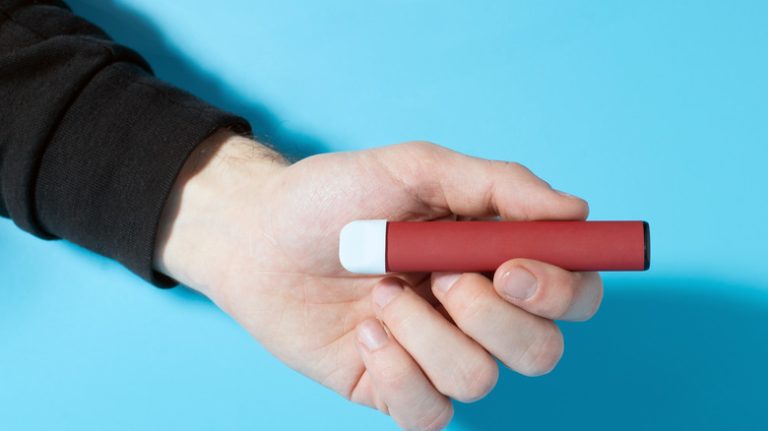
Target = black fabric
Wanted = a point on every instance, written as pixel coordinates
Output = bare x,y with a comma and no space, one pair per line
90,141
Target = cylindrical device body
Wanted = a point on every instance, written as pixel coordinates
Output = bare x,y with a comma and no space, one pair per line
484,245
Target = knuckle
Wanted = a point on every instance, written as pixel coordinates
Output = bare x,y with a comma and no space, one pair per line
381,406
423,146
397,379
542,356
403,317
435,421
470,303
515,166
477,381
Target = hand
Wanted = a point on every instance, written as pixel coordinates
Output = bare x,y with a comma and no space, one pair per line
260,238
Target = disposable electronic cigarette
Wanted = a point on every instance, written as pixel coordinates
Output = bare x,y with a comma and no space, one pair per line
379,246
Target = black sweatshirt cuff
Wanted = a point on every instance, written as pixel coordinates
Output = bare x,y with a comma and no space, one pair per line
90,141
108,169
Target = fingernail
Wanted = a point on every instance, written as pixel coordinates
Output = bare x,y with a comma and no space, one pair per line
444,281
372,335
518,283
386,291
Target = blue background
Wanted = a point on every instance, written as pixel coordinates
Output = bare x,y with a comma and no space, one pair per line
654,110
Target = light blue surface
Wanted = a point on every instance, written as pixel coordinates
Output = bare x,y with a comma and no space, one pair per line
654,110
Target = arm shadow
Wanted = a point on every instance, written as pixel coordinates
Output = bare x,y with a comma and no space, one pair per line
130,28
662,354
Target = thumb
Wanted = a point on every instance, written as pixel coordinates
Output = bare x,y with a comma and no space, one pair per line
446,180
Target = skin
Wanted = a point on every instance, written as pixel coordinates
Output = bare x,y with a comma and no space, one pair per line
259,237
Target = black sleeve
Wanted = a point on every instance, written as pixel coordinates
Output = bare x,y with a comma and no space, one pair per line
90,141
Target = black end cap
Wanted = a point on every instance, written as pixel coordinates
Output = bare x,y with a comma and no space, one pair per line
647,237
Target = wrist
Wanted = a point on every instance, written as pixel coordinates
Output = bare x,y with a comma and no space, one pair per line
220,180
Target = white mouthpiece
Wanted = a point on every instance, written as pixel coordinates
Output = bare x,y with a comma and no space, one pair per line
363,247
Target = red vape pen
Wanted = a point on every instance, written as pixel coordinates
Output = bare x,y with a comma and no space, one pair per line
379,246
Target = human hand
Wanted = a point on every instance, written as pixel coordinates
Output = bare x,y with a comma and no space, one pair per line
260,238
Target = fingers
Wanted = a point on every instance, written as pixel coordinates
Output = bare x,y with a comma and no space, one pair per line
471,186
527,343
549,291
407,394
456,365
425,357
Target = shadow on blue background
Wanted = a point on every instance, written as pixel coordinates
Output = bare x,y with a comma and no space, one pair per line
668,353
130,28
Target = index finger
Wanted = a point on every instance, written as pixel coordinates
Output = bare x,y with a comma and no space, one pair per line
476,187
